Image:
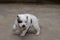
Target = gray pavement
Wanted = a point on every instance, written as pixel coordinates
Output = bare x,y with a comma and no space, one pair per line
49,19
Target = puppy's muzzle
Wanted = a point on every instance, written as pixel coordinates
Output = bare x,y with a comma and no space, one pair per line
23,26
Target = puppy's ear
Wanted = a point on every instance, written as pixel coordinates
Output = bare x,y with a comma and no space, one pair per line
31,21
27,17
17,17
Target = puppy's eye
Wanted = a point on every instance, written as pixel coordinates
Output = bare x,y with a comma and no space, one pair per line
19,21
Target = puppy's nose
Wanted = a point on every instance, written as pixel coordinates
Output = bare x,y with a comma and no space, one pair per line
23,26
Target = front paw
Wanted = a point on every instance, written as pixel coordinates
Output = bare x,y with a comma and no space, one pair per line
13,30
22,35
37,34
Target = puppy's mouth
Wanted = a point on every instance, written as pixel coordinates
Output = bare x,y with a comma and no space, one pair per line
20,29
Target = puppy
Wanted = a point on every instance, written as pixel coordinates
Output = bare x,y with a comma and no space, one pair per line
24,22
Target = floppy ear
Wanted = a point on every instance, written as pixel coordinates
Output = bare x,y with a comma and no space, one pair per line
18,18
31,20
27,17
17,15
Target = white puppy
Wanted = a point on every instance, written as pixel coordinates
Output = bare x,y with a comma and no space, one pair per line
25,21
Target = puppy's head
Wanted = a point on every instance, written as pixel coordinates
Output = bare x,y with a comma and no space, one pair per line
22,20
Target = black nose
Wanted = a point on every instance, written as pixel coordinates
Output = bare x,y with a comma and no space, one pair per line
23,26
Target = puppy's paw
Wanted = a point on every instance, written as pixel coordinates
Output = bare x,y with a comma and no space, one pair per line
22,35
37,34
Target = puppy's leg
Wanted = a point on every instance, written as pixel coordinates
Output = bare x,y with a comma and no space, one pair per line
24,32
36,26
14,27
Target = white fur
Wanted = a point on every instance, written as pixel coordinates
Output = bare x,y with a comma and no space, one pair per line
28,24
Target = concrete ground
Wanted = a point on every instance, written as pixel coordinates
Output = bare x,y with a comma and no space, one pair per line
49,16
